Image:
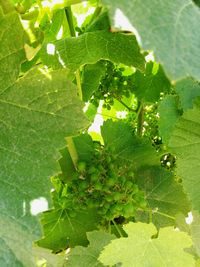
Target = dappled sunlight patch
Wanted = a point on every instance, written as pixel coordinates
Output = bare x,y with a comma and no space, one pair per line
38,205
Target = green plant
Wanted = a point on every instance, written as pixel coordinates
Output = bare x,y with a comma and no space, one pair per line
118,196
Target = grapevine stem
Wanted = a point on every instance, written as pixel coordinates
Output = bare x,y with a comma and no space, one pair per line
117,228
140,120
71,146
129,109
96,13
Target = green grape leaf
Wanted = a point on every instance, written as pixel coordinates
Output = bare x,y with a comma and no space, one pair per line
35,116
102,22
192,228
166,35
89,255
168,116
163,194
84,146
62,231
149,85
187,90
91,47
185,144
141,250
92,74
11,52
47,258
126,146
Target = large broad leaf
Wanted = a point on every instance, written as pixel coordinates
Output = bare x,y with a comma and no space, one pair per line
127,147
93,46
62,230
141,250
165,197
168,115
169,28
11,48
36,113
185,143
89,255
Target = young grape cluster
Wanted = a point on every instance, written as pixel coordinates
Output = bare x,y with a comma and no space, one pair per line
114,85
106,186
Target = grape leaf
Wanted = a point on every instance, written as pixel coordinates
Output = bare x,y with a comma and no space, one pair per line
185,144
168,116
163,194
91,47
11,53
149,85
187,90
35,116
174,36
91,78
126,146
62,231
47,258
141,250
89,255
192,228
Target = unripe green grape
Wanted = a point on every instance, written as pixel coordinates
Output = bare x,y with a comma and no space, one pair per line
131,174
143,203
128,185
108,159
110,181
98,186
135,189
92,169
117,196
83,185
94,177
81,166
128,210
109,198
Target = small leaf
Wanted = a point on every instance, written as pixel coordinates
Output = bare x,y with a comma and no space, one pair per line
62,231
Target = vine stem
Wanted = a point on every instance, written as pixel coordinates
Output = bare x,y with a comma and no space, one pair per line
140,119
70,143
117,228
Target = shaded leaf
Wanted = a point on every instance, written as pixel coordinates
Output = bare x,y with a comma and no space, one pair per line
91,78
187,90
164,196
127,147
149,85
35,116
185,144
89,255
174,37
168,115
62,231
